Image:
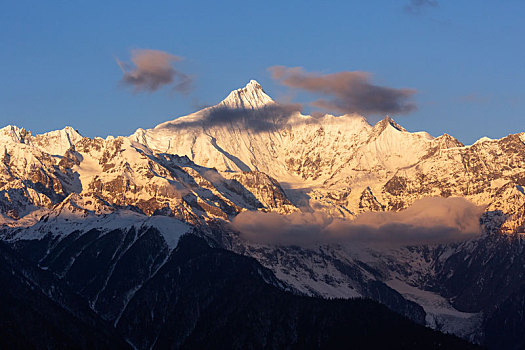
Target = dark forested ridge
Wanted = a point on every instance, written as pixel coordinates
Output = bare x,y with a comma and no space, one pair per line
201,298
38,311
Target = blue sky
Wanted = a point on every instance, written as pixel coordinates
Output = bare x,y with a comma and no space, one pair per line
466,59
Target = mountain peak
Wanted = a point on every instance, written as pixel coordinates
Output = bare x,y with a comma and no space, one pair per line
387,121
13,133
253,84
252,96
447,141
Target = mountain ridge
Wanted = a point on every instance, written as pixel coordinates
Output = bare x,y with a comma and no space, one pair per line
314,157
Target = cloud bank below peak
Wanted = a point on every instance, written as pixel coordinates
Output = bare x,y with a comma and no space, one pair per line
428,221
347,91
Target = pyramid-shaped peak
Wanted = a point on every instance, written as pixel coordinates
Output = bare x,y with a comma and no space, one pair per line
253,84
252,96
388,121
447,141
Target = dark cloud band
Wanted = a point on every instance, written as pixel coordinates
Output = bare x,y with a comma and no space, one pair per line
270,117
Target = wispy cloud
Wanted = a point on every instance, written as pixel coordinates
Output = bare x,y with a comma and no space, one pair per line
152,69
473,98
415,7
427,221
346,92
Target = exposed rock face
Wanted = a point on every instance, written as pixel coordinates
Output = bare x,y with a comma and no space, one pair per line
266,190
481,172
29,178
368,202
121,174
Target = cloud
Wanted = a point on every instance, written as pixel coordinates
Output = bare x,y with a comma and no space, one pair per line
346,92
153,69
270,117
416,6
427,221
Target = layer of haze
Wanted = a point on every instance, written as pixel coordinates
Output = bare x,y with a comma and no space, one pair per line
428,221
464,58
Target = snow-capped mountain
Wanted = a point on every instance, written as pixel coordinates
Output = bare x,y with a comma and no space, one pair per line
54,142
344,162
114,209
121,173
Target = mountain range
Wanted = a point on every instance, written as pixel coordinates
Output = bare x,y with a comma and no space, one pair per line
316,207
